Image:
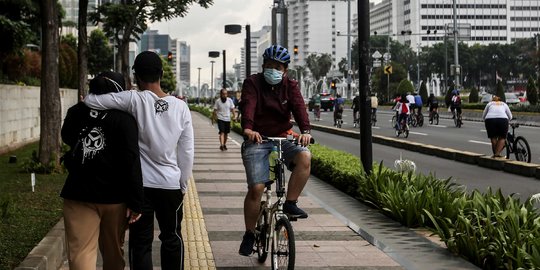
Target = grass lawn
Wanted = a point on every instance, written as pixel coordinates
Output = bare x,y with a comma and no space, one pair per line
25,216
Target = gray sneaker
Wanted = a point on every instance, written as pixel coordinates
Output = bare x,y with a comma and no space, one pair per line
246,248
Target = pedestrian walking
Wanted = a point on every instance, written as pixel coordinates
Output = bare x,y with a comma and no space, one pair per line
224,112
268,101
496,116
103,191
167,151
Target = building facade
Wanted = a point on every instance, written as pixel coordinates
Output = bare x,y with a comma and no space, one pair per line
319,26
425,22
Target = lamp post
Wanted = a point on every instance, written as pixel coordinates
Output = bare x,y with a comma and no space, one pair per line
212,78
279,23
199,83
224,69
215,54
366,148
234,29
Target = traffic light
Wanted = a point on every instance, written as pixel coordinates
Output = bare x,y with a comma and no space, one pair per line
333,85
295,49
169,57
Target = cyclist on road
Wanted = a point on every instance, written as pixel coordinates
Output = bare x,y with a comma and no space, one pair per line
374,105
496,116
411,100
432,104
356,107
455,104
338,109
267,102
403,110
418,103
317,107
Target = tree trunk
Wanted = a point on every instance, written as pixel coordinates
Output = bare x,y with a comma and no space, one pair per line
50,113
123,52
82,52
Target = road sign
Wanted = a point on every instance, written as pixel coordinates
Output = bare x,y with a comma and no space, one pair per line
376,63
376,55
387,56
388,69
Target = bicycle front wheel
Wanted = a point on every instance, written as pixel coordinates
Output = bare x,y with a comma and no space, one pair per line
436,118
283,247
261,236
522,150
394,120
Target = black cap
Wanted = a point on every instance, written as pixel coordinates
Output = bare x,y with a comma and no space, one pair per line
147,63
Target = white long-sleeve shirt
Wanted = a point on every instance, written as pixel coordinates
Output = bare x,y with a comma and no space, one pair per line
496,109
166,139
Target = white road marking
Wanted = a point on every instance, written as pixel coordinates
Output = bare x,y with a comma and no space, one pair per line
483,130
439,126
235,142
473,141
418,133
375,127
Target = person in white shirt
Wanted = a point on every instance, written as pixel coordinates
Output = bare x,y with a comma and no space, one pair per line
223,109
412,103
166,145
496,116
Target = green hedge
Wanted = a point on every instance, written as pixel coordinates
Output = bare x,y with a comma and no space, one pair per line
490,230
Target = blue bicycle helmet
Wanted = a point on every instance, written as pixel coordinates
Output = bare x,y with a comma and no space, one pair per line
277,53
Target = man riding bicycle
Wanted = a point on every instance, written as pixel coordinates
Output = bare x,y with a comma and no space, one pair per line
432,104
356,107
374,104
455,104
338,109
267,102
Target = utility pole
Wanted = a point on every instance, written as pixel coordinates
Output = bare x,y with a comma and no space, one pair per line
366,150
349,59
199,83
388,52
212,78
418,67
279,23
457,69
224,70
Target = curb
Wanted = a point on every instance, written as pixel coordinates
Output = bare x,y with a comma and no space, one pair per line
50,253
509,166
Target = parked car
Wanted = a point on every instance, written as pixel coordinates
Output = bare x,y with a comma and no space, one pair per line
327,102
486,98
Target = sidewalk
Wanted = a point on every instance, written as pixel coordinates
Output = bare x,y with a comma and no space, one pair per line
322,240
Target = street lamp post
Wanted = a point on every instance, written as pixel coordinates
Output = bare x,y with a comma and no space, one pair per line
212,78
236,29
199,83
279,23
224,69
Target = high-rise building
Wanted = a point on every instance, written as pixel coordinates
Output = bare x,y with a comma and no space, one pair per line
185,62
424,22
260,40
313,26
151,40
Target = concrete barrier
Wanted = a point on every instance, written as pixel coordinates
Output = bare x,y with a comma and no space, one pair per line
50,253
510,166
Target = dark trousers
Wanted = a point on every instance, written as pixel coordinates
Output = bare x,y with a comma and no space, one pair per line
168,208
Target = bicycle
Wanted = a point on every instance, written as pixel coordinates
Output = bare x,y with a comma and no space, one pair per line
457,119
418,119
517,145
338,121
433,117
273,229
356,122
373,117
402,127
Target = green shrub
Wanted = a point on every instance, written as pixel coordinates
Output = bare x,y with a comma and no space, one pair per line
473,96
500,91
532,92
405,86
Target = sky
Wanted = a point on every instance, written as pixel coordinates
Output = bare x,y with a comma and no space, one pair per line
204,30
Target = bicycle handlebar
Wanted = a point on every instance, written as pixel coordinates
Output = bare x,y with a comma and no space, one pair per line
288,138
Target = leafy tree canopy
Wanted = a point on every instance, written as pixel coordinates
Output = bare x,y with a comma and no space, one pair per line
100,53
319,64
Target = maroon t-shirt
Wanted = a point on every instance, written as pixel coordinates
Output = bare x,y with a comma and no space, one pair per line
267,109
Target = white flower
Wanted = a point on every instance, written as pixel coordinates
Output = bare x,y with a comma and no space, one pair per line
535,197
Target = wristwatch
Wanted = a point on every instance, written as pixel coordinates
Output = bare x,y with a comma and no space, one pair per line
306,132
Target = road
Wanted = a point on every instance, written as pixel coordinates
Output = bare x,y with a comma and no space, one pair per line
470,137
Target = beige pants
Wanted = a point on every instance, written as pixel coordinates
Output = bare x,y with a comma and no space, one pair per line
90,224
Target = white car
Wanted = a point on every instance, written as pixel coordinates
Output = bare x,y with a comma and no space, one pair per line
511,98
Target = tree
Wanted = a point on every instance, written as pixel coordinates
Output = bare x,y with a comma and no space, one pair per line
82,51
50,112
379,81
319,65
100,53
423,92
473,96
127,20
67,66
532,91
70,40
342,67
168,82
500,91
405,86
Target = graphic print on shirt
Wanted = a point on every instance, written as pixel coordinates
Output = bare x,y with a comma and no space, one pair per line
161,106
93,143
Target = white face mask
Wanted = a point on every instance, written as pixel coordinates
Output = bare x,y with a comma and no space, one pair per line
272,76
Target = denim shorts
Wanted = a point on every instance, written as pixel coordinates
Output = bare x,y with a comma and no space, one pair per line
255,157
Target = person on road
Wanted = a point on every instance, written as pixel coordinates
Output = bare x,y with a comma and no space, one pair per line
103,191
374,105
496,116
224,111
455,104
411,101
317,107
339,103
167,151
418,103
355,106
403,110
268,100
432,104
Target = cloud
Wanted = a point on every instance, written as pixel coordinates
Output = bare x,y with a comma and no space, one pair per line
203,30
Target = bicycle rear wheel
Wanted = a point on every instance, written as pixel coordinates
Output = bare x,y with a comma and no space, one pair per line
394,120
436,118
420,120
283,246
261,236
522,150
